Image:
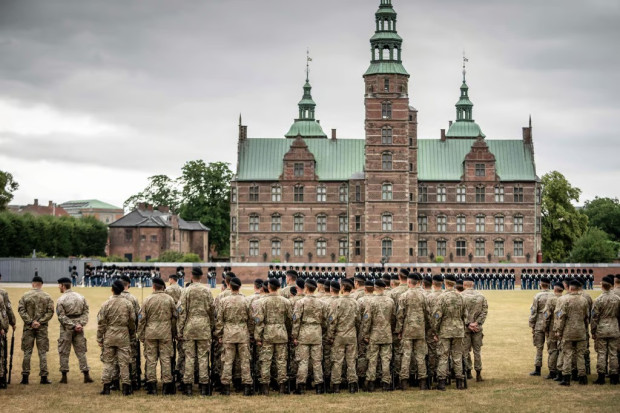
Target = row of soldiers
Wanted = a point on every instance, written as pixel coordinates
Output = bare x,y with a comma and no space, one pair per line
566,323
531,279
105,275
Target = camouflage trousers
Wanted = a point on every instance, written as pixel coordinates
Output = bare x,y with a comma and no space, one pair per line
432,355
606,349
539,342
67,339
362,360
29,338
416,350
306,354
397,353
327,360
180,361
201,350
231,352
155,350
553,353
473,341
278,353
384,353
450,348
572,349
339,353
3,349
114,358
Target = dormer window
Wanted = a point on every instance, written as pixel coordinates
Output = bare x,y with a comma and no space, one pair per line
299,169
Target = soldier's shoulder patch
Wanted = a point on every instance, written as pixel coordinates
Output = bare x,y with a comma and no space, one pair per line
331,319
559,313
546,314
257,320
365,316
294,317
140,316
180,309
436,315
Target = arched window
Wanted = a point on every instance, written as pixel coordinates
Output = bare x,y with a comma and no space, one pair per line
442,223
386,191
386,222
480,223
461,223
386,53
386,161
499,223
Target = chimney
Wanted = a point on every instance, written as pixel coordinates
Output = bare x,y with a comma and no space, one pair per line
243,130
449,123
50,204
149,207
527,133
443,135
333,134
36,202
142,206
163,209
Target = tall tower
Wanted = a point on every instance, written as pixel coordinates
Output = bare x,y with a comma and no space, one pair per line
306,125
464,126
391,143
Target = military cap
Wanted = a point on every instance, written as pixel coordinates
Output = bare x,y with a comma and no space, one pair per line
394,277
174,277
118,287
197,272
617,276
274,282
311,283
608,279
37,279
125,278
335,285
236,282
64,280
414,276
380,284
292,272
469,279
404,271
320,281
369,283
360,277
575,283
348,281
459,282
386,277
300,283
428,279
545,280
179,268
159,281
559,285
258,283
437,278
450,277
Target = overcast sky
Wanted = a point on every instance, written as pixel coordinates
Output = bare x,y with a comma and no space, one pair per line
96,96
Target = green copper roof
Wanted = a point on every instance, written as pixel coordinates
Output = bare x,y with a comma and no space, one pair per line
336,160
88,204
385,36
443,160
465,129
386,68
306,128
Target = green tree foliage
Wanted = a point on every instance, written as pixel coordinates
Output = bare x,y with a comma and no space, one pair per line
201,193
604,213
562,223
594,246
7,187
175,256
52,236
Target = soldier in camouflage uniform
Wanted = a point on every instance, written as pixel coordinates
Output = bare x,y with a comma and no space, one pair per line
477,309
449,320
399,286
232,333
291,278
586,354
36,309
4,331
552,342
174,290
195,324
362,346
218,350
344,322
4,296
273,318
309,321
157,324
72,311
536,324
571,319
133,367
377,325
412,322
5,303
605,331
116,330
332,294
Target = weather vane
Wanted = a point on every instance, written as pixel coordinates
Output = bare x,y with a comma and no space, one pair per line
308,60
465,60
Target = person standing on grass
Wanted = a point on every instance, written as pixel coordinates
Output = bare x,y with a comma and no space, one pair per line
552,342
605,331
72,311
477,309
536,324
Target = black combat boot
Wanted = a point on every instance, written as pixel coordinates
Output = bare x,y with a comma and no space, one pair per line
536,371
469,376
204,390
106,390
559,377
386,386
583,380
352,388
369,385
404,385
248,391
565,380
423,384
44,380
64,380
574,375
3,383
115,385
600,379
225,389
460,384
613,379
320,388
187,389
151,388
479,376
168,389
552,375
441,385
301,389
87,378
127,390
282,388
264,389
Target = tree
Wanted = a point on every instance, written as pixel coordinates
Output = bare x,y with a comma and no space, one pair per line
562,223
594,246
604,213
161,191
7,187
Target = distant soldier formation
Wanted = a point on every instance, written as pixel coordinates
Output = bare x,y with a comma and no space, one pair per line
105,275
324,331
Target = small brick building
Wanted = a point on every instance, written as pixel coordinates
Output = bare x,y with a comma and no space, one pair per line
307,198
51,209
145,233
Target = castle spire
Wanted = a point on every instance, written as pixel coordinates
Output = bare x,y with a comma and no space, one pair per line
464,126
386,44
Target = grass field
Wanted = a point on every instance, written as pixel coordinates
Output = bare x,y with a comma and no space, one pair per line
507,359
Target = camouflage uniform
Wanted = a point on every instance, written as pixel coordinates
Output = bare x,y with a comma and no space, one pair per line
560,341
35,305
72,309
156,327
412,322
570,324
397,351
4,296
116,330
273,319
604,325
195,323
4,326
327,347
218,349
449,319
536,324
377,322
344,321
433,359
286,291
362,346
133,367
477,309
175,292
552,341
309,321
232,328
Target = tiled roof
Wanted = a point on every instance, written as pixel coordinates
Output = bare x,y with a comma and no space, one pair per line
154,219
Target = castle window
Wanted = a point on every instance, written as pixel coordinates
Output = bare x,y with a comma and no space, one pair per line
499,193
461,193
358,223
386,85
298,194
518,223
233,194
422,193
321,194
386,161
298,248
499,224
298,169
254,248
442,221
499,248
386,222
358,247
518,248
386,110
343,248
254,193
422,248
386,191
276,222
518,193
233,224
321,248
480,170
461,248
343,223
276,247
276,193
298,223
386,248
344,193
386,136
254,221
422,223
321,223
358,193
480,223
441,248
480,250
461,223
480,194
441,193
